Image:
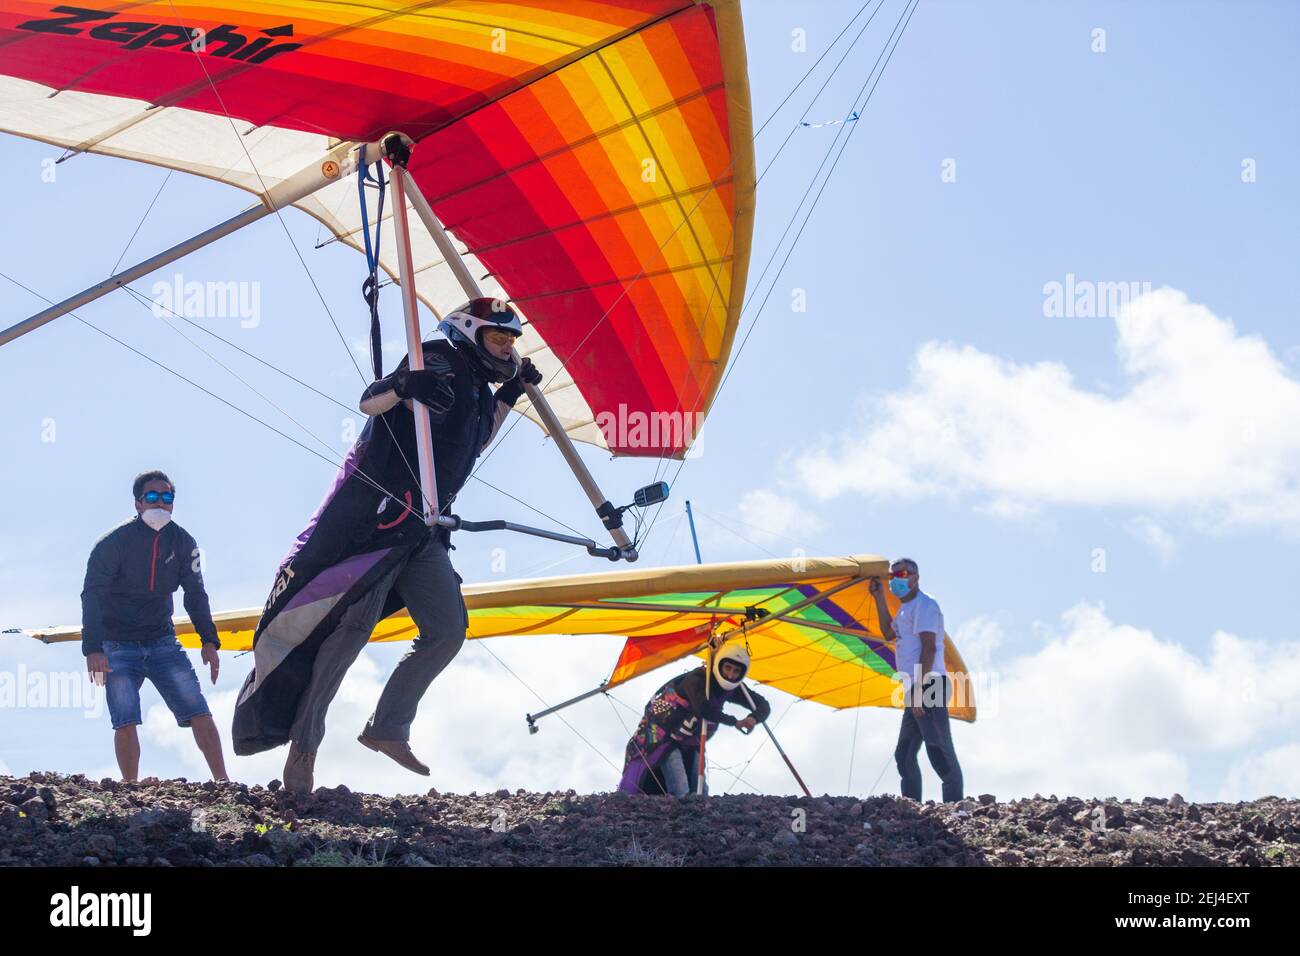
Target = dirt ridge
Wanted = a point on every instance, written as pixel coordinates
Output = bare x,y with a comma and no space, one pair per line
50,819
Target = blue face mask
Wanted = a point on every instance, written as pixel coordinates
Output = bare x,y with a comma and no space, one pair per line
900,586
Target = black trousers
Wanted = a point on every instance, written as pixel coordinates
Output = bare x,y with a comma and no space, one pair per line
931,729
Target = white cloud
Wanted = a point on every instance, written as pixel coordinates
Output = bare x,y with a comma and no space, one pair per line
773,519
1205,426
470,728
1275,772
1109,709
978,639
1093,708
1153,536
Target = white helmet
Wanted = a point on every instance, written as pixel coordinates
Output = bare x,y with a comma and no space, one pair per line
464,327
737,654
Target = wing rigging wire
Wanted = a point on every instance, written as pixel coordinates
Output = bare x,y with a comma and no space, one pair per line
210,393
581,344
713,765
150,305
798,698
829,47
629,734
544,703
852,128
375,484
311,451
840,130
279,215
745,524
664,459
138,225
311,278
728,170
857,715
140,298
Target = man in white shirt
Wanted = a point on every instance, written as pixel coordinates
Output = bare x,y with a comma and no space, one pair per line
918,654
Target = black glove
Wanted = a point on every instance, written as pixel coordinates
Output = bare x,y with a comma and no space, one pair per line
528,374
430,387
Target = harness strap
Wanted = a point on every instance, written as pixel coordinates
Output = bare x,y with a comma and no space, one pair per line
370,287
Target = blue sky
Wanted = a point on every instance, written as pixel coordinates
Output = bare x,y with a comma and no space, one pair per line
924,404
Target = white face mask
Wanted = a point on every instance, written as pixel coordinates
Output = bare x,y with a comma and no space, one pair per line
156,518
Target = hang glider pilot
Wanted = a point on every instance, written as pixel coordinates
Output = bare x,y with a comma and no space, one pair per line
663,755
127,634
918,631
368,552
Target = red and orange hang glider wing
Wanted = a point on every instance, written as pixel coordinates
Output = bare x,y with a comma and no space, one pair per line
594,159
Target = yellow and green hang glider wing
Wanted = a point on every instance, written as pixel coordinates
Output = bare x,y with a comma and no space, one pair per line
810,623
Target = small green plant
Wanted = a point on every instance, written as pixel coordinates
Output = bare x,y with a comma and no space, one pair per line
349,859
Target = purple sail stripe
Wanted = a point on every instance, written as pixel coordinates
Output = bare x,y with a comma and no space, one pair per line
337,578
838,615
350,465
631,782
830,609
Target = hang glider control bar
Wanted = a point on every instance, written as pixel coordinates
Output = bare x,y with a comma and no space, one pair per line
651,494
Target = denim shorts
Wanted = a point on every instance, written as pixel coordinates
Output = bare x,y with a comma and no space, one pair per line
164,662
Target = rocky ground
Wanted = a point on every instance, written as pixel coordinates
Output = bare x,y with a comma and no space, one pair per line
48,819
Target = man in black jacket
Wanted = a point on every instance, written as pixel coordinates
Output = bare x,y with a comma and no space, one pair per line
126,623
367,551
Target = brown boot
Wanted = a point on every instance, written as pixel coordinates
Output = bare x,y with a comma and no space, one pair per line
399,750
298,770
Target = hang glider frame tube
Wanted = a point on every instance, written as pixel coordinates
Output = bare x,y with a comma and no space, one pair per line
776,743
398,154
533,718
609,515
461,524
336,164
